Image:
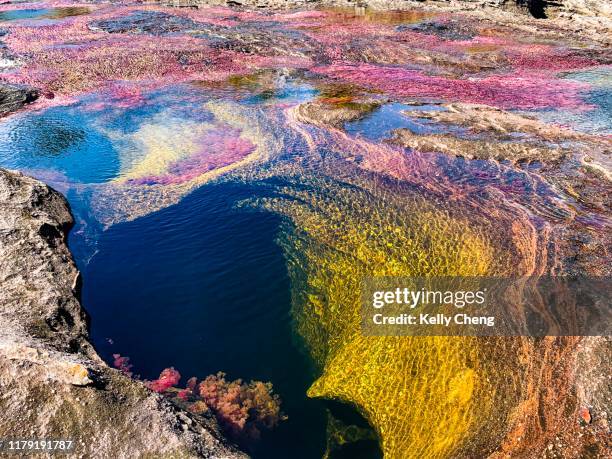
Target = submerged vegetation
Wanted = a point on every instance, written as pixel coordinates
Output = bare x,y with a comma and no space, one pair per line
243,410
414,143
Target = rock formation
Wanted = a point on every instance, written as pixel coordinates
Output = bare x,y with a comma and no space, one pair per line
54,385
13,97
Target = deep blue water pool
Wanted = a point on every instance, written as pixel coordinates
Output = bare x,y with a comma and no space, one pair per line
199,285
203,287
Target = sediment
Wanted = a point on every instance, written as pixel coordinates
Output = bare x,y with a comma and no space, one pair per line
54,384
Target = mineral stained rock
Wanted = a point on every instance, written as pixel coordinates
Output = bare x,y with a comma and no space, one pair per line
54,385
334,115
578,16
153,22
476,149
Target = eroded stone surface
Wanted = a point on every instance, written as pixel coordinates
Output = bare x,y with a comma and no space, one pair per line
477,149
13,97
54,385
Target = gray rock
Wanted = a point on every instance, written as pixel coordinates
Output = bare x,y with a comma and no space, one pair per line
452,30
150,22
13,97
54,385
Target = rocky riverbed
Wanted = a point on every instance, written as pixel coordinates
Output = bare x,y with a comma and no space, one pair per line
388,138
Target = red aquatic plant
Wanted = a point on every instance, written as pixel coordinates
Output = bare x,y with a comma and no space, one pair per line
123,364
242,409
167,379
190,392
517,90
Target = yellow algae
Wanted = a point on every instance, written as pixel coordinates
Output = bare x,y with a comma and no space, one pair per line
401,385
163,142
482,48
424,396
394,17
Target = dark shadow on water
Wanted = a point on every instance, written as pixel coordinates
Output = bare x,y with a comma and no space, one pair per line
362,449
364,445
203,287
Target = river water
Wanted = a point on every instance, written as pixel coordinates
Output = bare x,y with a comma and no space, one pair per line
233,175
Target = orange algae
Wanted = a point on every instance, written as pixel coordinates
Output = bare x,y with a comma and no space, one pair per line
363,209
155,180
425,397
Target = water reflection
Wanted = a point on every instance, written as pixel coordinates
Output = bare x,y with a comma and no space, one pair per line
44,13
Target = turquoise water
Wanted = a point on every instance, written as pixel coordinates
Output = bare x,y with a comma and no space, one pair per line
87,141
379,124
63,139
597,120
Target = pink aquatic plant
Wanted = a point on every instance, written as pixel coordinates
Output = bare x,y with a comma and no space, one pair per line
219,147
546,58
510,91
122,364
382,54
242,409
190,392
167,379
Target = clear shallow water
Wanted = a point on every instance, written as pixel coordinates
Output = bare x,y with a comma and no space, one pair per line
200,285
379,124
43,13
102,136
597,120
66,140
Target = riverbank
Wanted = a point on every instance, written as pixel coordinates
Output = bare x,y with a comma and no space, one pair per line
575,17
54,384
